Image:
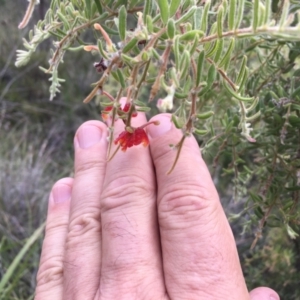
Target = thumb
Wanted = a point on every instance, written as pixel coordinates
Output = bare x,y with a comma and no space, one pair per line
263,293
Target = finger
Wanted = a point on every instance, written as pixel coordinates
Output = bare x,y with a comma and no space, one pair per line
50,273
263,293
83,247
131,262
199,253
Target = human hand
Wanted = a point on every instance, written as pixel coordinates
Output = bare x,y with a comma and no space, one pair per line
126,230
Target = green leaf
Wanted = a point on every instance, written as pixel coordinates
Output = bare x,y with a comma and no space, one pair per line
200,131
219,51
171,29
88,8
227,55
198,17
164,10
194,45
232,14
174,5
200,64
206,115
242,70
220,21
64,20
240,12
149,24
147,10
101,49
244,79
122,22
121,78
133,3
211,75
204,21
255,15
110,30
187,15
184,65
130,45
236,94
176,50
143,109
190,35
177,122
294,121
9,273
213,49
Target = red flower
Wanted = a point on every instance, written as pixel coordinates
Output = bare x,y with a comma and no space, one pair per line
128,139
126,109
105,112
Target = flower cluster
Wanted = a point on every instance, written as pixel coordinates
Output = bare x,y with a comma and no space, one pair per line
133,136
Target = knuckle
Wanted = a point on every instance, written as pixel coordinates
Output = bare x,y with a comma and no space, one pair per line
124,189
50,272
83,228
187,201
85,166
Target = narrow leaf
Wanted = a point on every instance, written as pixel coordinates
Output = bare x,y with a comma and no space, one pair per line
187,15
220,21
236,95
88,8
255,16
130,45
164,10
147,10
184,64
211,75
204,20
240,13
101,50
121,78
227,54
267,12
122,22
198,17
171,29
284,14
190,35
99,6
232,14
149,24
242,70
200,64
219,51
174,5
206,115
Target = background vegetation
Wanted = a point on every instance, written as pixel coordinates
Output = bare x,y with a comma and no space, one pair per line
36,149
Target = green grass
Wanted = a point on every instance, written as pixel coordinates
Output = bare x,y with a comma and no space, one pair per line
30,162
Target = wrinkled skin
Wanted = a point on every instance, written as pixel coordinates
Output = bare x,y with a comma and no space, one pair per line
126,230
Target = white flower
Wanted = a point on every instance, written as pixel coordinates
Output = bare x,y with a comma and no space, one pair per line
167,103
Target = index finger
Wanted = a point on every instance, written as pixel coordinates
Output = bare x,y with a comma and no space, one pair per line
200,258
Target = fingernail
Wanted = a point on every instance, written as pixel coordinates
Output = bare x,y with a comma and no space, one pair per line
61,193
163,127
88,135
